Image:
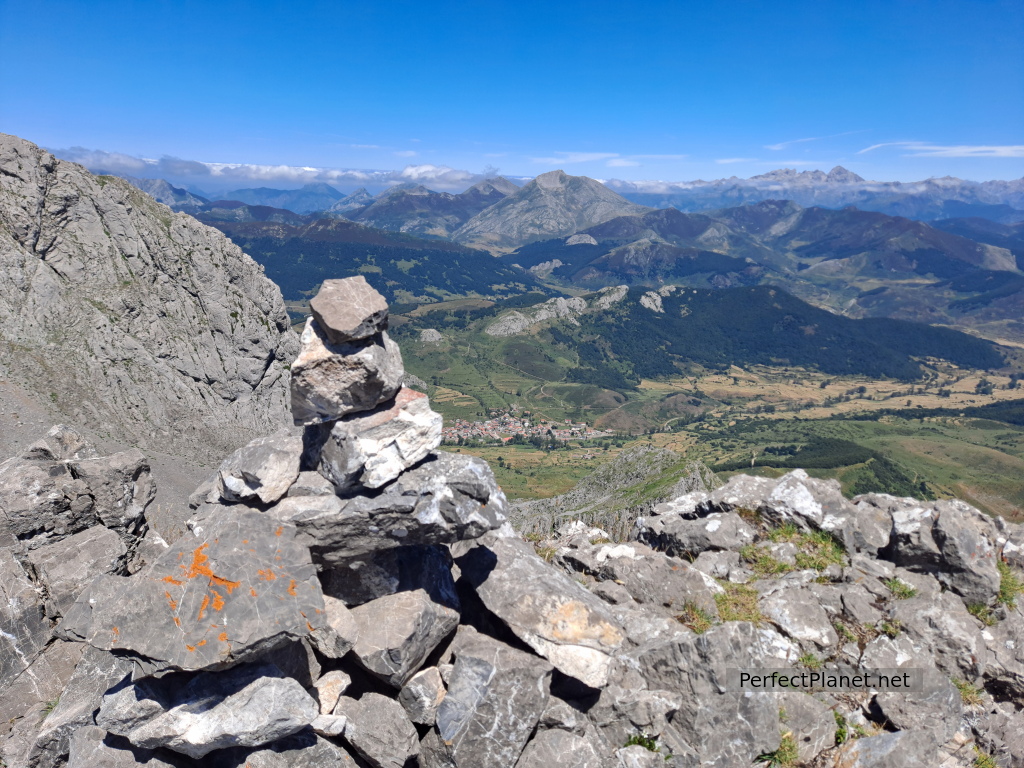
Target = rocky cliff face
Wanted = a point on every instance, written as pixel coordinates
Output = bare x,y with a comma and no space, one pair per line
130,319
352,596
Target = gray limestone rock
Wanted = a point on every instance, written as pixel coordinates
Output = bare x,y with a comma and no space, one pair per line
902,749
311,484
246,706
562,715
679,536
38,684
239,586
561,748
650,577
811,723
374,447
398,632
446,498
121,486
950,540
940,627
349,309
937,708
621,713
330,380
304,749
262,471
800,616
95,674
696,667
42,502
329,689
422,695
131,319
93,747
339,631
61,443
495,698
378,730
24,630
67,566
563,622
1005,668
999,733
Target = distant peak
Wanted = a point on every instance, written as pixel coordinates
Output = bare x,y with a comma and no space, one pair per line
552,179
840,175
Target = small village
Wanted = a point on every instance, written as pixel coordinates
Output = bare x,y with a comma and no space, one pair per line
505,426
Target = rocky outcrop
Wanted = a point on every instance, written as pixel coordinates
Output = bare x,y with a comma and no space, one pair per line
319,614
133,320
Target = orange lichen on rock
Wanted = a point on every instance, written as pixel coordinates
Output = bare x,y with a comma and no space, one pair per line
291,587
223,637
253,592
218,601
171,601
279,530
267,575
172,580
203,607
177,621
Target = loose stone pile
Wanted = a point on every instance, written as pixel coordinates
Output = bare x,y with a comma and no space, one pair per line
348,595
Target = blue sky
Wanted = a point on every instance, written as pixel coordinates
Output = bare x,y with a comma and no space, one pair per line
641,90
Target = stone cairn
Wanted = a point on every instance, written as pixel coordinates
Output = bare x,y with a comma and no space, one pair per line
348,595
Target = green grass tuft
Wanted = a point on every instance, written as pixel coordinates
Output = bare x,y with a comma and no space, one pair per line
983,613
739,603
695,617
785,756
900,589
1010,585
971,695
642,740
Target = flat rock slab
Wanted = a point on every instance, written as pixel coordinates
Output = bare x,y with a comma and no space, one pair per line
304,749
563,622
446,498
349,309
379,730
374,447
67,566
238,586
262,471
562,749
246,706
397,633
331,380
902,749
495,698
422,695
93,747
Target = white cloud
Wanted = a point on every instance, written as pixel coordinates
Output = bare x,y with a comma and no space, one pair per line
924,149
565,158
405,153
229,175
730,160
783,144
621,162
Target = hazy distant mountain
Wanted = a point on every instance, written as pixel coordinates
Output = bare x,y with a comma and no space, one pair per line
233,210
1009,236
553,204
926,200
176,198
417,210
358,199
311,197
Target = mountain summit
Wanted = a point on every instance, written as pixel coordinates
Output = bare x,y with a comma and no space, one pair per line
554,204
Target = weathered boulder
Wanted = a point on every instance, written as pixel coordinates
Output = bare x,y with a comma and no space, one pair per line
1000,735
42,503
446,498
238,586
623,712
554,615
68,565
495,698
950,540
304,749
398,632
799,615
561,748
378,730
61,443
245,706
349,309
374,447
331,380
24,631
940,627
1005,668
680,536
422,695
261,472
650,577
39,684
